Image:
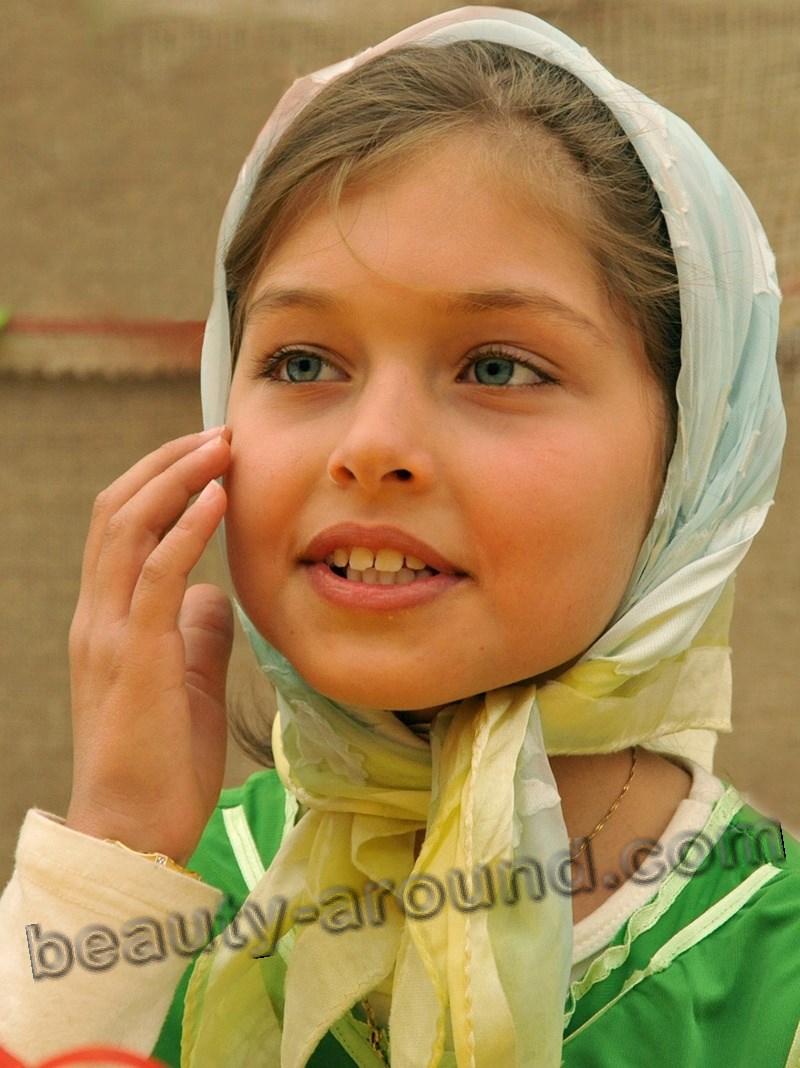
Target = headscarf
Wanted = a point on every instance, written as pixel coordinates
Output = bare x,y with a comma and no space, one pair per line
472,984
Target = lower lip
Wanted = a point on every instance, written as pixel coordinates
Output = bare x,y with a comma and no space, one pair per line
372,596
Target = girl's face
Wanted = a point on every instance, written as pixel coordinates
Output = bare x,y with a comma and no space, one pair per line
439,379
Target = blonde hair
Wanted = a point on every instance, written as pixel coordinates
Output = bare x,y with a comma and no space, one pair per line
366,122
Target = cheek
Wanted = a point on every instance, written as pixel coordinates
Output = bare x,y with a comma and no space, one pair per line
626,496
565,515
262,488
268,458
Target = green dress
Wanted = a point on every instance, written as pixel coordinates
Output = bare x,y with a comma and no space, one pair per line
706,974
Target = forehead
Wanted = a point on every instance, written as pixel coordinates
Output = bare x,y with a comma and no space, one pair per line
450,220
529,165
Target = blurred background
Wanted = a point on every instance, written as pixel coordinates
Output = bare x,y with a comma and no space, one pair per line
122,126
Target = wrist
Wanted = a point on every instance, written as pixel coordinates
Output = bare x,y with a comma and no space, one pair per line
133,836
161,859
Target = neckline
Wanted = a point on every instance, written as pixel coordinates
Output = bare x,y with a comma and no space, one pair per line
592,934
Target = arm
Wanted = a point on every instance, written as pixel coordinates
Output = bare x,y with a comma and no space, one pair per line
88,951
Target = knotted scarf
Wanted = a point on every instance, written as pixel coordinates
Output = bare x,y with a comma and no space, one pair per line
471,938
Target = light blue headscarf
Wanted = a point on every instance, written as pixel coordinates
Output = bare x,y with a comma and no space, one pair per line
659,675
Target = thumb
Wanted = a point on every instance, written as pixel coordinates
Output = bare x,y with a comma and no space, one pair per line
206,624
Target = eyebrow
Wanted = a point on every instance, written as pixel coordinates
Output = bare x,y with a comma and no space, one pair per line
469,302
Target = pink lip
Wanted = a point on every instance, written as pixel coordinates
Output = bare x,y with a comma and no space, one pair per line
361,596
350,535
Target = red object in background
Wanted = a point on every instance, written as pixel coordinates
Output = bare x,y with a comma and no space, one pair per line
190,332
144,345
108,1055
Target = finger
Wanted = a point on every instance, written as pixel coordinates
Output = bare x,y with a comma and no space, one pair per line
206,624
123,489
136,530
161,584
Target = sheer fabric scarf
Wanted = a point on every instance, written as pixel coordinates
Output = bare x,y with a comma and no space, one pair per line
477,980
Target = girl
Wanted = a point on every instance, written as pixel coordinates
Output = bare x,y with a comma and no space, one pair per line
464,482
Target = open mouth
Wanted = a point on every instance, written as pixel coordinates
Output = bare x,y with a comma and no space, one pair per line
385,567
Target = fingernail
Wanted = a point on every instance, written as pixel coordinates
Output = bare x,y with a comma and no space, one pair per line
212,432
207,493
210,444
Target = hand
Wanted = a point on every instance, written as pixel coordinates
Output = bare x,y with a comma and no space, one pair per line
149,658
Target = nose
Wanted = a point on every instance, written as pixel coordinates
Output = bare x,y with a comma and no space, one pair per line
386,442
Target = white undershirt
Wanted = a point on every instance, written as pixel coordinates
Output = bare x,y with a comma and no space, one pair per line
592,934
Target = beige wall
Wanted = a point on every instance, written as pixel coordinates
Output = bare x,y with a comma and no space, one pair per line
129,121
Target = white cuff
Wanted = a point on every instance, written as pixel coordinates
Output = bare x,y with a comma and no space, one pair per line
93,942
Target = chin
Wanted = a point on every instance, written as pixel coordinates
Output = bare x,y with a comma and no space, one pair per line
385,693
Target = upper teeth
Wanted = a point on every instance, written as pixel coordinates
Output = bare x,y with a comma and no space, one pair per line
361,559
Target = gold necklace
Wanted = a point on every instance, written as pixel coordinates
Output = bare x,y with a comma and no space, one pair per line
574,857
375,1035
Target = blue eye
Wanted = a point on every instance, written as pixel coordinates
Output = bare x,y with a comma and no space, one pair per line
497,369
300,365
494,371
303,368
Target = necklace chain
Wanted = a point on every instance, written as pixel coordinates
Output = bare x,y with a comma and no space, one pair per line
574,857
375,1035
